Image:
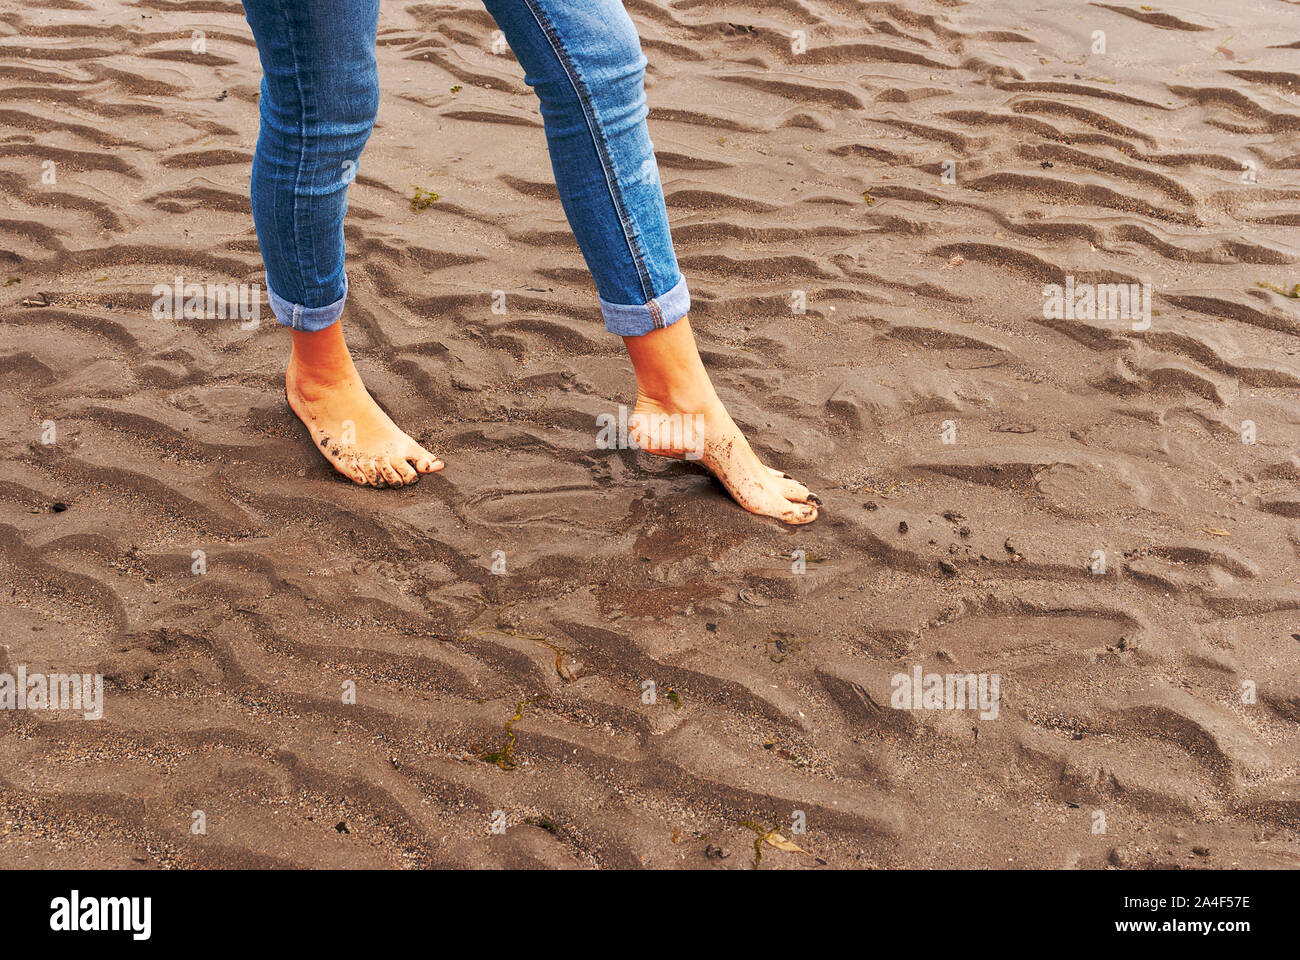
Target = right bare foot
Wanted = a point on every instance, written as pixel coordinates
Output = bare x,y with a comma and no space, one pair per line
325,392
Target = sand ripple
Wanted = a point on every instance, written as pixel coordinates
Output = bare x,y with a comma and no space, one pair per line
919,173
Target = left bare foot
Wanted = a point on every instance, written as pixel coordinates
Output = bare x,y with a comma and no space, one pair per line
710,435
679,413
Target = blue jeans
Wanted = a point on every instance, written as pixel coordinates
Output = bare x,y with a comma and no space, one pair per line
320,96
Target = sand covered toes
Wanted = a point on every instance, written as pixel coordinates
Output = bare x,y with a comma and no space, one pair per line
713,439
355,435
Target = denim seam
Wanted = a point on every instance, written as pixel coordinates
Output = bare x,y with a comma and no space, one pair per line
302,149
311,190
602,151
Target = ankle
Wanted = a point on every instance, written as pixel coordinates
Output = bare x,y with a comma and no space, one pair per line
320,359
675,393
315,372
669,371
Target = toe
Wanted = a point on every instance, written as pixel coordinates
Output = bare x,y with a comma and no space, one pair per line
769,503
794,490
775,472
405,472
391,476
370,470
424,461
797,513
348,466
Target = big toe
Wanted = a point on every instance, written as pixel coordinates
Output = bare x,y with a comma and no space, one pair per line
767,501
796,513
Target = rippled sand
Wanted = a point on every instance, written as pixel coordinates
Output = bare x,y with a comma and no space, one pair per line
912,181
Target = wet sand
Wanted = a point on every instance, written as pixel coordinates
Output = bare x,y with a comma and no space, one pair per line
913,180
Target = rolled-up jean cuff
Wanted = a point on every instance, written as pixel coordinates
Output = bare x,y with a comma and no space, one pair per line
636,320
298,317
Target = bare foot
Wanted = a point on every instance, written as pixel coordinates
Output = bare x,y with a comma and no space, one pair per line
703,430
325,392
678,414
